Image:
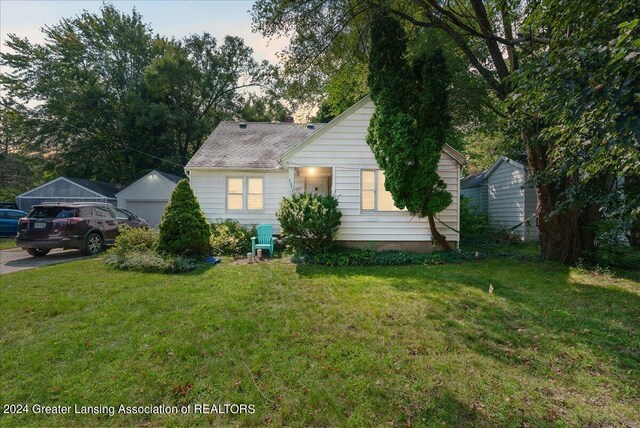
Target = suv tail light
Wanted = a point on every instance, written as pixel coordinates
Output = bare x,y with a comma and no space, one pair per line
23,220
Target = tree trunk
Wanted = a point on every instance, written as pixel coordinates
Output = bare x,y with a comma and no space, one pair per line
565,236
440,238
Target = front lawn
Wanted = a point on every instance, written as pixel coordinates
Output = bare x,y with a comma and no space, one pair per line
318,346
7,243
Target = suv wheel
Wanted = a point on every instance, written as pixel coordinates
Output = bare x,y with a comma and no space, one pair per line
38,252
94,244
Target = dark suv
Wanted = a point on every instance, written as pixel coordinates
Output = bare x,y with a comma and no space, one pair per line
84,226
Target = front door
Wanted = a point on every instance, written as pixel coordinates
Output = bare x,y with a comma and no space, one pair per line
318,185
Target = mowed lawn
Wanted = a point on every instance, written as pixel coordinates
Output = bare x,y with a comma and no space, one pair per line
317,346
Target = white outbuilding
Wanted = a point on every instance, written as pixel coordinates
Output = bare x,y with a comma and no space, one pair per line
148,196
503,192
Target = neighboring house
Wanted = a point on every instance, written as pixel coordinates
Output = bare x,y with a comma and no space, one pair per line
243,170
67,190
148,196
501,192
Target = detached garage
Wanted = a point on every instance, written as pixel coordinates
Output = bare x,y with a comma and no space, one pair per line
67,190
149,196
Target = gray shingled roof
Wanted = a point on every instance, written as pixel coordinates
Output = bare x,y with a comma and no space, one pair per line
473,179
105,189
171,177
259,145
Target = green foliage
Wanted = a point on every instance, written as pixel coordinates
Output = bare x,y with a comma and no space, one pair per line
364,257
135,249
309,222
114,100
266,109
474,224
184,230
411,123
134,239
150,261
230,238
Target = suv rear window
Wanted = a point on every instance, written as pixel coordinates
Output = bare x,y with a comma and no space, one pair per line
52,212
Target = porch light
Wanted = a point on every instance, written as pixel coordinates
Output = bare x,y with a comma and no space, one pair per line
312,170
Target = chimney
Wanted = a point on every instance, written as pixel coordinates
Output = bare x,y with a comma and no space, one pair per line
242,125
288,119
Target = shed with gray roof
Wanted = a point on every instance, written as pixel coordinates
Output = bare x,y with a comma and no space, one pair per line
67,190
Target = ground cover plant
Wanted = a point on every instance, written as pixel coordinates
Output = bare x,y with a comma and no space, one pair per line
321,346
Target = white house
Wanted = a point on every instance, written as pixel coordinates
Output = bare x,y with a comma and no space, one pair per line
243,170
148,196
502,192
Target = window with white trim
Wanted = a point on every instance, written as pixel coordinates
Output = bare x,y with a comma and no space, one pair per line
373,195
245,193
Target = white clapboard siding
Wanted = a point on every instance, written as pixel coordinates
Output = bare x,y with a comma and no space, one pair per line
344,148
209,186
506,197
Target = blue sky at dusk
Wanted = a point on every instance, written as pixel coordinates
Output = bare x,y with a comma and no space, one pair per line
168,18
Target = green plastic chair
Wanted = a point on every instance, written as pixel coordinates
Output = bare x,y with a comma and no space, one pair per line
265,239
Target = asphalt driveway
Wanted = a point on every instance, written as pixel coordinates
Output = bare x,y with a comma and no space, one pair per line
17,259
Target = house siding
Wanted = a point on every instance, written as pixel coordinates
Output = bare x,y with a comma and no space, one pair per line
506,197
153,187
210,188
344,148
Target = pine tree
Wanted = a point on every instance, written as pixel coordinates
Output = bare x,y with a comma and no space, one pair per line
411,122
184,229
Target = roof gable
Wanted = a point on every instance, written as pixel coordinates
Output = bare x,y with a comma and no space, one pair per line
97,188
447,149
168,179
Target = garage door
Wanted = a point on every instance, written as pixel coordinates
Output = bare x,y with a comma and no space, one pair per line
149,210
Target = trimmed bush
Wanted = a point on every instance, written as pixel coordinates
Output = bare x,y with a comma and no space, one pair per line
230,238
184,230
309,222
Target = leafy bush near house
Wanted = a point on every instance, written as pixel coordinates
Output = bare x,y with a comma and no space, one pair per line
135,249
230,238
474,224
184,230
363,257
135,239
309,222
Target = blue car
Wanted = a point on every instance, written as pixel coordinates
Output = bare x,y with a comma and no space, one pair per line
9,221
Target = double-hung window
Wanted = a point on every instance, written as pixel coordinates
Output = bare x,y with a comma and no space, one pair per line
373,195
245,193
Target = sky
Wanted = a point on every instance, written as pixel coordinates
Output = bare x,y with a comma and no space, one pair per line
166,17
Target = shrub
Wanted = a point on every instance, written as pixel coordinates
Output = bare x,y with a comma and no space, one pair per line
309,222
474,224
184,229
135,239
362,257
145,260
230,238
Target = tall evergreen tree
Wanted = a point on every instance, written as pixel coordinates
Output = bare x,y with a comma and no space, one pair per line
411,122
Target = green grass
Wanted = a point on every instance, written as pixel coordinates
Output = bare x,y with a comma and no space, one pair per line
317,346
7,243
